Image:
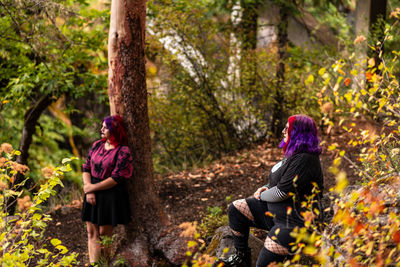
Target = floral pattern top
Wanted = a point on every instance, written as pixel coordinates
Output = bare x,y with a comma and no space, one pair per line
102,163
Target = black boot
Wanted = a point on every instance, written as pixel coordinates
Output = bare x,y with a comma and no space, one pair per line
239,259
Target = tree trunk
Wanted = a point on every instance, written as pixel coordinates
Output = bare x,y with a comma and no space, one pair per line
366,17
248,37
32,116
278,113
149,233
377,29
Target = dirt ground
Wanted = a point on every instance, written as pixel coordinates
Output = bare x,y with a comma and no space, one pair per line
187,194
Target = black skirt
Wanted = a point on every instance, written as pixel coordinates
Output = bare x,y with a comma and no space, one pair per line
112,206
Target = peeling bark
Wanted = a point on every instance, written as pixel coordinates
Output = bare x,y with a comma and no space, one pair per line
149,232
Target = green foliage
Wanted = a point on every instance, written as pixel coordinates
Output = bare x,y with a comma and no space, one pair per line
200,110
364,102
215,218
55,49
22,239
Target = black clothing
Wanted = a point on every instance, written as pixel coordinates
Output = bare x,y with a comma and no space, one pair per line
112,206
297,175
294,176
266,257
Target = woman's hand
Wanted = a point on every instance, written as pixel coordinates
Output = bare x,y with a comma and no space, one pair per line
91,198
257,194
88,188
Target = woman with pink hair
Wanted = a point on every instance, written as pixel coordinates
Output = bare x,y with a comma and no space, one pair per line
291,181
106,170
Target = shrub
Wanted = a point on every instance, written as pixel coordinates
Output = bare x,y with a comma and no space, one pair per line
22,240
364,103
214,219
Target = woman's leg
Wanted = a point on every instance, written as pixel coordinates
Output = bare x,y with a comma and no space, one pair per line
240,220
275,247
243,214
93,242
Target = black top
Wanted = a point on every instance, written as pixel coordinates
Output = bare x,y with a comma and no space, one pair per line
307,168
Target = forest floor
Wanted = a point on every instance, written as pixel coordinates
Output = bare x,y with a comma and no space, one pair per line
187,194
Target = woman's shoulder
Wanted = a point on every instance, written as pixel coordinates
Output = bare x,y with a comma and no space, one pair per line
304,156
124,149
97,143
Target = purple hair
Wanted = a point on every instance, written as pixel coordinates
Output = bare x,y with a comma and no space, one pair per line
303,136
116,126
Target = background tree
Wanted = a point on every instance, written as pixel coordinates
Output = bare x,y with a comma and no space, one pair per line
47,52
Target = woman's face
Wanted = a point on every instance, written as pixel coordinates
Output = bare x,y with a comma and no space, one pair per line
105,133
285,133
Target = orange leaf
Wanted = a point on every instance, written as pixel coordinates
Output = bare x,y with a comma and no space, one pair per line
368,75
288,210
358,228
268,213
396,237
347,81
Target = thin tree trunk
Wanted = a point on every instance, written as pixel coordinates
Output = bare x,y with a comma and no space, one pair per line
248,31
278,112
32,116
149,232
377,11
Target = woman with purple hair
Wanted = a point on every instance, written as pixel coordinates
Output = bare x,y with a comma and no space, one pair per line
107,168
276,207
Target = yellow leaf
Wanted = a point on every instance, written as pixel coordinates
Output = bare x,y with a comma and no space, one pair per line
369,246
62,248
321,71
337,161
309,250
348,97
341,182
152,70
55,242
382,102
332,147
310,79
192,243
296,258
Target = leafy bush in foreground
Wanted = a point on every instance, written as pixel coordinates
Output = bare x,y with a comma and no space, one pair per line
22,240
364,102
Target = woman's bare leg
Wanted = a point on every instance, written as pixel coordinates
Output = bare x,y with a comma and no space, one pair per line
93,242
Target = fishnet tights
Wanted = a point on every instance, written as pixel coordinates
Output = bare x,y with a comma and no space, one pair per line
241,205
274,247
